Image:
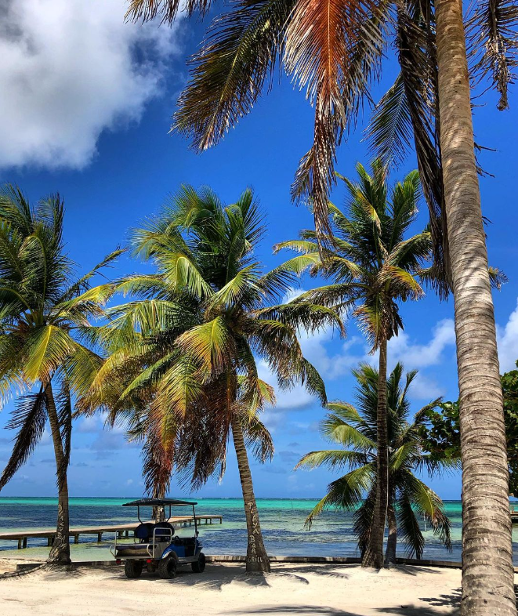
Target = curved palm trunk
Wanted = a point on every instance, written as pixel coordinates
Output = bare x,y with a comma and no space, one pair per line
487,575
373,556
390,553
256,557
60,551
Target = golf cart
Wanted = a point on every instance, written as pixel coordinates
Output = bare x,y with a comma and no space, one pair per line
156,546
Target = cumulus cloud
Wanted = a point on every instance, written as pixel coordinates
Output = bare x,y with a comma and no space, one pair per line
423,355
508,343
69,70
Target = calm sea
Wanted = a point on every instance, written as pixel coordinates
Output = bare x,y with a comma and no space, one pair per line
282,522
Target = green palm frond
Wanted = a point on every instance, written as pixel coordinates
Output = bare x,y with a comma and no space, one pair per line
28,418
390,130
408,527
46,349
229,72
337,458
257,438
182,274
345,493
210,344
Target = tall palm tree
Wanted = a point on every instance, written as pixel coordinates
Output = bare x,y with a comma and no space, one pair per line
334,50
43,312
354,430
194,332
372,268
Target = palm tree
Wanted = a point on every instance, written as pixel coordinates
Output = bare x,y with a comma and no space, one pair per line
194,332
354,430
43,313
373,268
334,50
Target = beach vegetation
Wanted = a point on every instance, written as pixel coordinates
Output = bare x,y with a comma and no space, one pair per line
441,432
184,351
353,428
45,355
373,266
334,51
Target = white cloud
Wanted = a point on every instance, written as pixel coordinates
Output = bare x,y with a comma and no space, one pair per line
426,388
423,355
297,397
68,71
508,343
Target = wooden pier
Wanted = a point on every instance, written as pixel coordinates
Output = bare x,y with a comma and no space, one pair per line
121,530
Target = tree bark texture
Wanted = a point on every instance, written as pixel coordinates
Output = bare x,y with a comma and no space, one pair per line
487,575
390,553
373,556
60,550
256,557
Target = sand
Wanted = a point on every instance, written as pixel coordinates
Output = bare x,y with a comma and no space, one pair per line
320,590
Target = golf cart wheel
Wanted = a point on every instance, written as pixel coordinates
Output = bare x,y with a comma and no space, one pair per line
167,568
199,565
133,569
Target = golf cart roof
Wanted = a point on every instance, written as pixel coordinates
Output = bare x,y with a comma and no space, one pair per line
157,502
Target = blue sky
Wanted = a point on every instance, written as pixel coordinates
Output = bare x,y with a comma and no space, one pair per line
86,112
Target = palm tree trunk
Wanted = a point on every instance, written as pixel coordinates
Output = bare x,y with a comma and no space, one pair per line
256,557
373,556
60,550
487,575
390,554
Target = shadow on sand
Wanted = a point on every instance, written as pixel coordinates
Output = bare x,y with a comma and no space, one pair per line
217,576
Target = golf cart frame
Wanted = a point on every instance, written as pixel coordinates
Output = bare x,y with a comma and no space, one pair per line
156,546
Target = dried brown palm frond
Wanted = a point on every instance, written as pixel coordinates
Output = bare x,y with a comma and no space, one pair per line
408,113
332,50
159,457
493,44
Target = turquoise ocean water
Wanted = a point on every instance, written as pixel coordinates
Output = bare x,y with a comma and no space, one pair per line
282,521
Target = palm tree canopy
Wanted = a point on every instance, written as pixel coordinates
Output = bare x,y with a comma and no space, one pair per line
185,351
44,312
352,428
372,263
333,50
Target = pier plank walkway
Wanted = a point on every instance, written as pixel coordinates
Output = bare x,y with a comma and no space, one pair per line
119,529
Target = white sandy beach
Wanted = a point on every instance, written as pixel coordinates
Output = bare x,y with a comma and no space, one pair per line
326,590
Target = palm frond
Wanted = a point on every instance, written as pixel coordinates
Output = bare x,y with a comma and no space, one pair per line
493,45
345,492
338,458
231,68
165,10
28,418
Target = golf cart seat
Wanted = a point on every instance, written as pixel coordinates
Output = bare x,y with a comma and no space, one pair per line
164,531
134,550
144,532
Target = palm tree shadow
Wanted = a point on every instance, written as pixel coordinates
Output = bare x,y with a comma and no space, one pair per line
415,569
445,600
318,610
215,577
327,570
55,573
441,601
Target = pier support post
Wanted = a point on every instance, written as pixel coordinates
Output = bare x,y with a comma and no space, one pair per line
20,543
76,538
25,542
99,537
